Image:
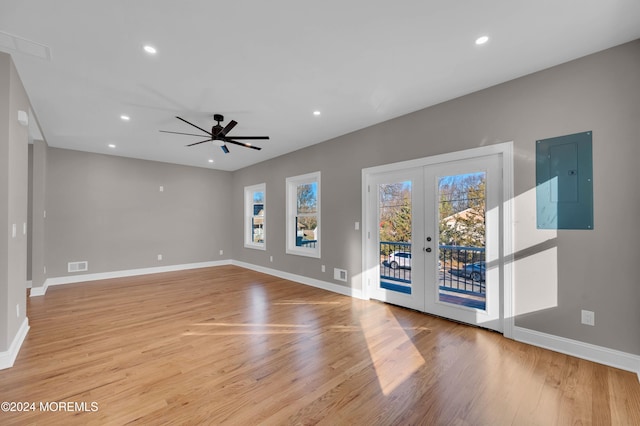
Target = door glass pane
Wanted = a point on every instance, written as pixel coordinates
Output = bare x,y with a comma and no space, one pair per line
394,213
462,239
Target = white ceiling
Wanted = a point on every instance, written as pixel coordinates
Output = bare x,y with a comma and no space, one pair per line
270,64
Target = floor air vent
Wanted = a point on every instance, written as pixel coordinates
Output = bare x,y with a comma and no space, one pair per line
339,274
78,266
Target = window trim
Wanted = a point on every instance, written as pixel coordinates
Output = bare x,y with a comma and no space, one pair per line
291,211
249,192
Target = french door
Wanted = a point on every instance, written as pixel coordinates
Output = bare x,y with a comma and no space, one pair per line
434,239
396,203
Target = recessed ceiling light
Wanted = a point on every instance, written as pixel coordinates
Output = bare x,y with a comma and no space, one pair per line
316,113
111,145
150,49
125,118
211,160
482,40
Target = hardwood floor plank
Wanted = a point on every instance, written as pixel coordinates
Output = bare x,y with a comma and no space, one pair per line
226,345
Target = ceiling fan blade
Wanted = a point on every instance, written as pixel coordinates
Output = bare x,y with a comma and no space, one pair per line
249,137
227,128
180,133
246,145
197,143
191,124
224,149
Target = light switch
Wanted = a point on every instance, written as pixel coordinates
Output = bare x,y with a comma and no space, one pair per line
357,226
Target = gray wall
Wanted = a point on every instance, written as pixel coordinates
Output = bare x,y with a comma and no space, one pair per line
38,170
109,211
557,273
30,211
5,236
13,202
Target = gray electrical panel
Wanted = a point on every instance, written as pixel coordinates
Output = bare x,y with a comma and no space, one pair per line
564,182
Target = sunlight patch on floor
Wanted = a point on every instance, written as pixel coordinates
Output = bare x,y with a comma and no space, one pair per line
226,324
243,332
245,329
394,356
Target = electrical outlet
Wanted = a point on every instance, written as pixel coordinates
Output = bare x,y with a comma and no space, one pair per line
323,268
161,188
588,317
221,252
159,257
357,226
270,258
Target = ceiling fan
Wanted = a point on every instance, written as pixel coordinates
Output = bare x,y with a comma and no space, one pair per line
219,133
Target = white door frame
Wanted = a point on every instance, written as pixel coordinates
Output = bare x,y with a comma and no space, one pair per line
506,151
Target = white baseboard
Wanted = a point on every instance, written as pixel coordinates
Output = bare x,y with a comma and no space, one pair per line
347,291
335,288
7,358
599,354
40,291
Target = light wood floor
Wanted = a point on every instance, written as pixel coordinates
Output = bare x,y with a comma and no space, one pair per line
228,345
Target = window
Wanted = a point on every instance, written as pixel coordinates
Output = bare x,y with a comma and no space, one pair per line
303,215
255,198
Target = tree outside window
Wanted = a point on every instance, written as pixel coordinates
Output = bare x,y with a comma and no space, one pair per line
303,215
255,217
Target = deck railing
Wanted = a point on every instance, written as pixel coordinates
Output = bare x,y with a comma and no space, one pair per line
461,269
395,259
300,242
